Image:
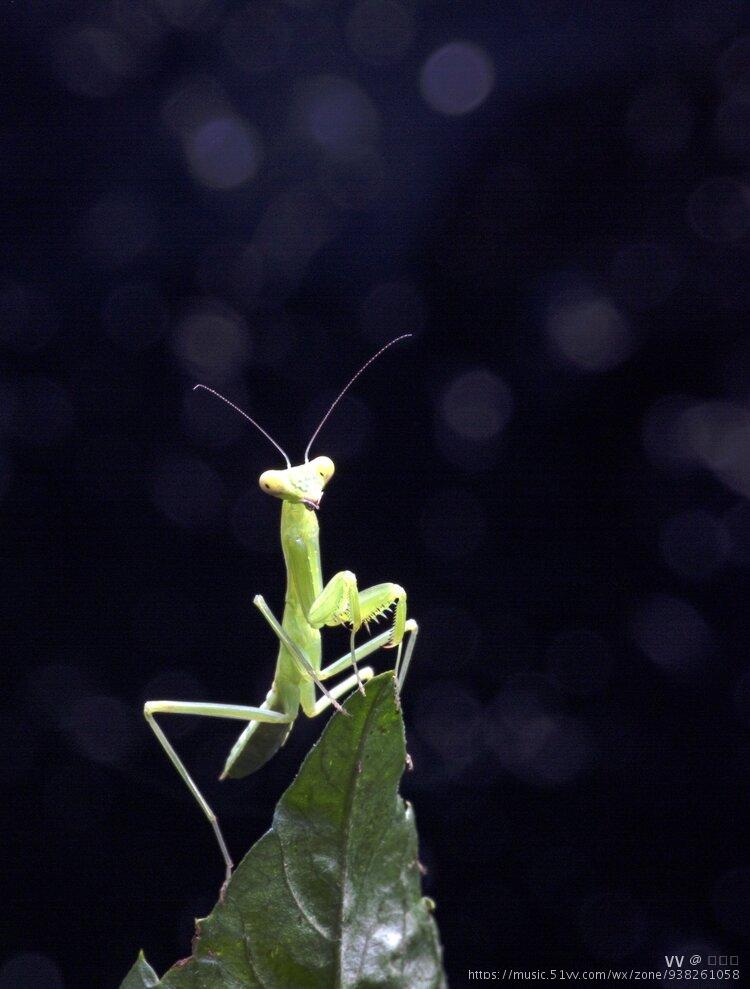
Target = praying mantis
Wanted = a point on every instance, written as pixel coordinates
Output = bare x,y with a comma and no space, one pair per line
309,605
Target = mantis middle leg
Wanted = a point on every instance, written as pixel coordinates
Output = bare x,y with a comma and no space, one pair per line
381,641
237,712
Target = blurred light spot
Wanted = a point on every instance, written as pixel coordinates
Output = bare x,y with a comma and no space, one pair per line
449,718
336,114
257,37
734,68
672,634
719,435
30,970
93,61
211,342
224,153
580,661
27,320
117,230
643,275
666,434
251,523
380,31
730,898
101,728
660,121
188,491
392,308
44,415
533,742
718,210
613,925
453,524
588,330
694,544
135,315
477,405
457,78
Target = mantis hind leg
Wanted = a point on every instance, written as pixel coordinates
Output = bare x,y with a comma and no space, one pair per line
240,713
303,664
323,703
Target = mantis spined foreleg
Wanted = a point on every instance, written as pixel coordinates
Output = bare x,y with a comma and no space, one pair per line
308,606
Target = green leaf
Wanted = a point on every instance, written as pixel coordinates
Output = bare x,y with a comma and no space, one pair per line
330,896
141,976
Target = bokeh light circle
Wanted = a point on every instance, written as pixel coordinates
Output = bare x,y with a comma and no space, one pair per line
212,342
589,331
224,153
457,78
477,405
673,634
30,970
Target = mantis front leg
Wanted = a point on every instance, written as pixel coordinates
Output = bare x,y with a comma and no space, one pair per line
341,602
240,713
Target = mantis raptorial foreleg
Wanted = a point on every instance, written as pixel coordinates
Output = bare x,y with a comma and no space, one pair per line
232,711
341,602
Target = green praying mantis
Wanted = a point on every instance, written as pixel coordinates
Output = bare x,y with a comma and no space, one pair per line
308,606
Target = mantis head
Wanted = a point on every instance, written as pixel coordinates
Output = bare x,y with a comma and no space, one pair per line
303,484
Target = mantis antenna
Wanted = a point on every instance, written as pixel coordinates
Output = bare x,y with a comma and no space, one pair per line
347,386
249,419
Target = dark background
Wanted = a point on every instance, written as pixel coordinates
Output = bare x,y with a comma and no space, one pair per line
552,197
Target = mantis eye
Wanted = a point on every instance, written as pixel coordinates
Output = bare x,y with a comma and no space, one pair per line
325,468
